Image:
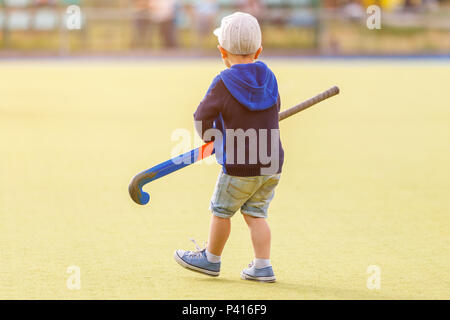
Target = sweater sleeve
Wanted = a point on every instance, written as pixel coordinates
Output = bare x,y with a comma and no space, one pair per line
209,108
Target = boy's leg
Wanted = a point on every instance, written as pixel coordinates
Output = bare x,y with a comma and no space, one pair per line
260,234
229,195
219,232
255,214
260,269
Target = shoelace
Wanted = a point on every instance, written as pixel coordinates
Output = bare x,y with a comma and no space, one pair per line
199,250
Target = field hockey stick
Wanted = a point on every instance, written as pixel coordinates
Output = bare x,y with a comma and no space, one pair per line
200,153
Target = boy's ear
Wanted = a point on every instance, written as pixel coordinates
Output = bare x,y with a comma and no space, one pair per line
223,52
258,52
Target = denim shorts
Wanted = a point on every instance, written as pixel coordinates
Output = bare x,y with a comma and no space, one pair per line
250,194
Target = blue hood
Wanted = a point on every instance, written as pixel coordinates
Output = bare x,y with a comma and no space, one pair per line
252,84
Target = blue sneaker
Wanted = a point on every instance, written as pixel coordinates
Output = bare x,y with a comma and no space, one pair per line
197,261
252,273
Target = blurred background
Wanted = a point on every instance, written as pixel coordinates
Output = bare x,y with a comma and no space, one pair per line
183,27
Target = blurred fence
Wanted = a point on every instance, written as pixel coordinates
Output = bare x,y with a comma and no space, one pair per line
289,26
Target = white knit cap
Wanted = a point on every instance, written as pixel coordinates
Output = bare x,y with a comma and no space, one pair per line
239,33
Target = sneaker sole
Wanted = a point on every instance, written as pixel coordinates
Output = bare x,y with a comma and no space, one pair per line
245,276
188,266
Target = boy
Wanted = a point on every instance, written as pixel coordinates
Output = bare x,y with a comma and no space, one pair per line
241,106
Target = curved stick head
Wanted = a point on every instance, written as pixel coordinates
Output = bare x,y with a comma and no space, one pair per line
138,195
135,188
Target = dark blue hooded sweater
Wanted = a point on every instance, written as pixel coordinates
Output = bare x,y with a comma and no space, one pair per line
245,97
